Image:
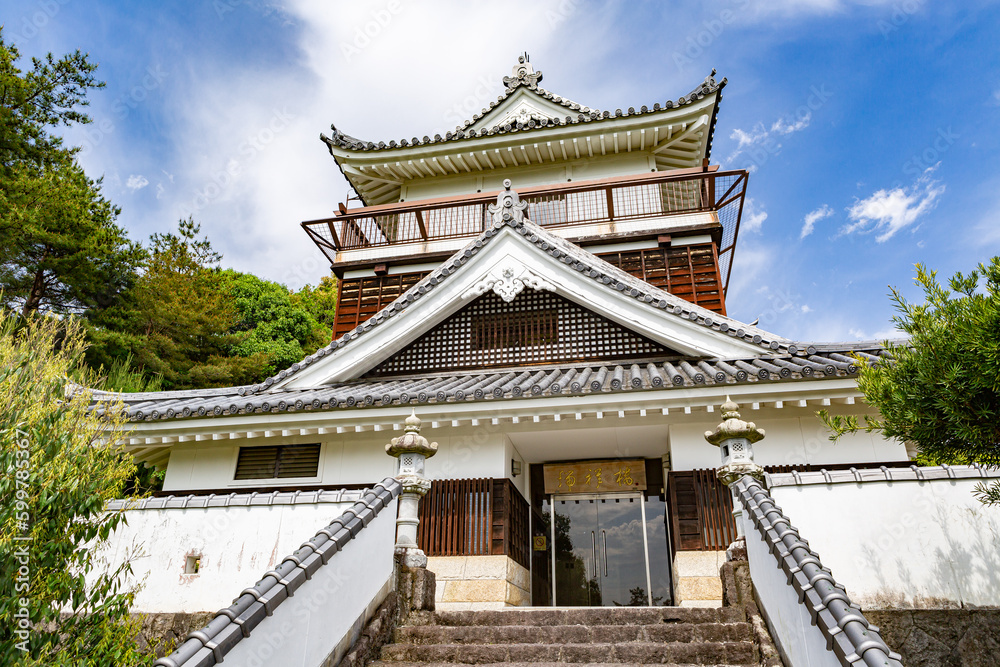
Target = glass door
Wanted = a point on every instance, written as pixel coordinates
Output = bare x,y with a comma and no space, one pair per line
600,551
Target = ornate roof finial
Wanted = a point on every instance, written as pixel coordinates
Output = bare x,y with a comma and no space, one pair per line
522,72
509,208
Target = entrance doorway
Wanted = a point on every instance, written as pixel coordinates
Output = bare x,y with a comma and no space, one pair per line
600,550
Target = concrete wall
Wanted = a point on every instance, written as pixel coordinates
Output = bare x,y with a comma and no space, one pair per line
801,643
902,543
236,546
318,620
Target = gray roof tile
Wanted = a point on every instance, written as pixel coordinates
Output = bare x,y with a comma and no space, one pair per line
848,633
209,645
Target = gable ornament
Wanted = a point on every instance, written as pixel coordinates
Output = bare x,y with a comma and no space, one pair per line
508,279
523,72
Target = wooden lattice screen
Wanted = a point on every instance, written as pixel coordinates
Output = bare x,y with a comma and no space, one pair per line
536,327
474,517
701,511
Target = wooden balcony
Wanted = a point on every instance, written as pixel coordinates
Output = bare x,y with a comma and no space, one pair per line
624,206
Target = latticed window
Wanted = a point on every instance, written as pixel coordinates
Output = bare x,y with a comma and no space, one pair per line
504,330
536,328
279,461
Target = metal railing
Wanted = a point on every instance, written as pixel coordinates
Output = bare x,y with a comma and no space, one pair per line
604,201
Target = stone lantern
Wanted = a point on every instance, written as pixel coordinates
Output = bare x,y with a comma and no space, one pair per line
412,450
734,438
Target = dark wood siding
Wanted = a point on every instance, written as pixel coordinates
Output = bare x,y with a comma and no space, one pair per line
361,298
474,517
690,272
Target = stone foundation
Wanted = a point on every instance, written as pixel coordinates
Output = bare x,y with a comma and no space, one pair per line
164,632
472,583
696,578
940,637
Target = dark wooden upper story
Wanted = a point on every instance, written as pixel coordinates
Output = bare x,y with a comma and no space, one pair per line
689,220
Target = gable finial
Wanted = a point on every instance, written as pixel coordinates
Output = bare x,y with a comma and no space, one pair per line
509,208
522,73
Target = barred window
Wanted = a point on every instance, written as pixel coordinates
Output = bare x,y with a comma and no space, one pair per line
495,331
279,461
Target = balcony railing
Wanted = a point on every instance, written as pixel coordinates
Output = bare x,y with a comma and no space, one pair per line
605,201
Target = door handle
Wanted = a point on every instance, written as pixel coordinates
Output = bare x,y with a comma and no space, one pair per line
593,540
605,536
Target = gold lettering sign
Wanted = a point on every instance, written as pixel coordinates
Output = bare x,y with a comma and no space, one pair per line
595,476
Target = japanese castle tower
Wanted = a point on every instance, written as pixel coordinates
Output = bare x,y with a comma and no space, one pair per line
545,288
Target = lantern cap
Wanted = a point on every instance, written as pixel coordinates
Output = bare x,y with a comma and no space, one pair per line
733,426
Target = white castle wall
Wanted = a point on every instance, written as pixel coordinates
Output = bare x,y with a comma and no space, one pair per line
236,545
902,543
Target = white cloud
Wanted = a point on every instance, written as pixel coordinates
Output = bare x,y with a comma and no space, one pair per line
754,216
812,218
760,141
889,211
806,309
136,182
244,156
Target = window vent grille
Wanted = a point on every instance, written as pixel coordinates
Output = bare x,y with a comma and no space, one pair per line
280,461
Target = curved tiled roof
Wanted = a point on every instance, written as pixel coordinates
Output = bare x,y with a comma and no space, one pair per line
809,364
209,645
583,115
577,258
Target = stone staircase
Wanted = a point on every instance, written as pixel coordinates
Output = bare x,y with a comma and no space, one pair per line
661,636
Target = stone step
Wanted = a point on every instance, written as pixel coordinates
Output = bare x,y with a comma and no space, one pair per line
591,616
573,634
700,653
379,663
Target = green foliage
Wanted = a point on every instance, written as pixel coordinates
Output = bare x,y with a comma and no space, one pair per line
271,323
61,249
319,301
49,94
941,391
58,474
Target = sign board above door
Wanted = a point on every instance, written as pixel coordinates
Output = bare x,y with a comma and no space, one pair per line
609,476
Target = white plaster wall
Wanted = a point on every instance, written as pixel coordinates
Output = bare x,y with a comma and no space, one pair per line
355,458
308,626
237,546
801,643
910,543
790,441
522,177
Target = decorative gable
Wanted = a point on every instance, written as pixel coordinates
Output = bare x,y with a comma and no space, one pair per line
535,327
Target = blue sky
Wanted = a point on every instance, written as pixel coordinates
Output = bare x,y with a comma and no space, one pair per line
871,127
